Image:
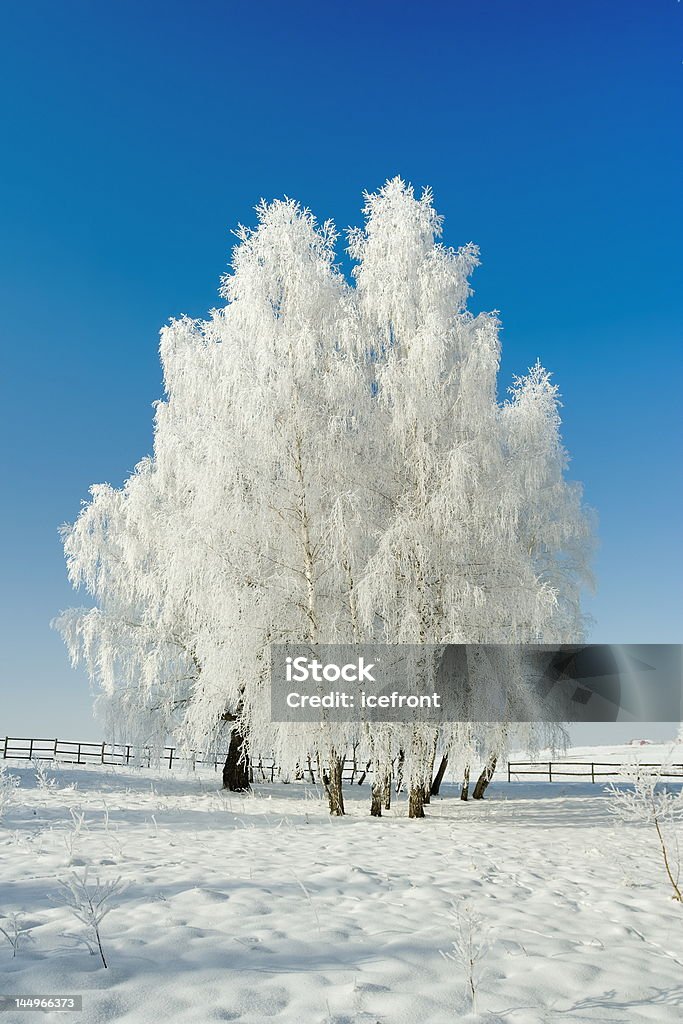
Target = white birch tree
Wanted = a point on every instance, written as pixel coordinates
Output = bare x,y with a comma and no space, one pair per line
331,464
486,542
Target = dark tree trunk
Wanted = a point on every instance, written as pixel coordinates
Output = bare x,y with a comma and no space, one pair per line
399,770
416,801
485,778
354,762
430,770
465,791
376,798
438,778
381,792
236,767
332,781
387,791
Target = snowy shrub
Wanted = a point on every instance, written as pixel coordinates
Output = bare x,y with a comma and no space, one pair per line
12,930
647,800
43,780
469,947
89,904
8,786
73,835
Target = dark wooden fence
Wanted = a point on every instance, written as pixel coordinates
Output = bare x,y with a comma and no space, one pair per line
22,748
593,770
263,769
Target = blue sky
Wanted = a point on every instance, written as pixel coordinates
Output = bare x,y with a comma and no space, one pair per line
135,136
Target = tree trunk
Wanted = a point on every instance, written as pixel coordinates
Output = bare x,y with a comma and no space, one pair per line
354,761
381,792
387,791
485,778
332,781
376,799
399,770
236,767
438,778
416,801
430,770
465,791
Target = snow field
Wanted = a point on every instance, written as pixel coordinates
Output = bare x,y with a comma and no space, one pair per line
262,908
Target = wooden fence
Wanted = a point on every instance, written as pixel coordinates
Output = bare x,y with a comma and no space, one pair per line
594,770
23,748
263,769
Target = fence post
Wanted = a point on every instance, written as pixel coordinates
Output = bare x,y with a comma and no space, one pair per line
592,772
102,751
509,779
30,750
170,756
55,750
4,753
79,754
550,771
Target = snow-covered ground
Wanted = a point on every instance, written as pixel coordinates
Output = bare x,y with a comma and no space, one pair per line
263,909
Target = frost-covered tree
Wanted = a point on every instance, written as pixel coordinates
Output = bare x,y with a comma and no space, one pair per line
258,535
647,800
486,541
331,464
552,530
273,520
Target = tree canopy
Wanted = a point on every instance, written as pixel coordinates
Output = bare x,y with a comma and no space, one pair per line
331,464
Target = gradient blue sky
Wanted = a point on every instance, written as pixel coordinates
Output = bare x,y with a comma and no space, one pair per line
134,136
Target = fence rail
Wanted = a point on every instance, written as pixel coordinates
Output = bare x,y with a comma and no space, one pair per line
262,769
568,769
265,769
27,748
